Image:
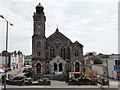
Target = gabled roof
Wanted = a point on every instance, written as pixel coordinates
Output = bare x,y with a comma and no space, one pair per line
77,43
58,34
61,36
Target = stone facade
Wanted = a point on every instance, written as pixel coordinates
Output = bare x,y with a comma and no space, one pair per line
56,54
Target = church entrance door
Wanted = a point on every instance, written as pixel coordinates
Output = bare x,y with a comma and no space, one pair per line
38,68
77,67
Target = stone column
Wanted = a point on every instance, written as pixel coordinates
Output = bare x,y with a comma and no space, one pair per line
57,67
73,68
63,68
52,69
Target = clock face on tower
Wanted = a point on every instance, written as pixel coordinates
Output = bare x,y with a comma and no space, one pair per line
39,26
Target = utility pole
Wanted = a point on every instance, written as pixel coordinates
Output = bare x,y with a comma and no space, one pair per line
6,47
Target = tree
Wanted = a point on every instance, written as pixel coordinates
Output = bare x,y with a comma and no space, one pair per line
97,60
100,54
104,56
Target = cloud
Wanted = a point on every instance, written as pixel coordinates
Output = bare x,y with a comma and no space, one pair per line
91,22
21,32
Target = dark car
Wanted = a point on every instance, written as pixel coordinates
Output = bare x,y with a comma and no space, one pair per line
17,80
28,74
8,69
26,70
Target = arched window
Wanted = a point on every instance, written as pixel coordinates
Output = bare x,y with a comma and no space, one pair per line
38,54
76,53
52,52
63,52
55,67
38,44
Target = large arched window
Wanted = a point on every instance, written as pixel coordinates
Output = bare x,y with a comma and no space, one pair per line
63,52
38,45
52,52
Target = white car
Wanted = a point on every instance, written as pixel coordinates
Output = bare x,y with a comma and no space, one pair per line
27,67
2,71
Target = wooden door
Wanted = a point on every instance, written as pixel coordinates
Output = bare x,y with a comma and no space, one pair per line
38,68
77,67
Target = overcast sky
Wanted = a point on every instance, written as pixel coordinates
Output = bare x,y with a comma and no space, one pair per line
94,23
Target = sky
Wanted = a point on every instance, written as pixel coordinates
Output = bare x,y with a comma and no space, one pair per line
93,23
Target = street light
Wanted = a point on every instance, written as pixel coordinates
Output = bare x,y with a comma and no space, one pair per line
6,46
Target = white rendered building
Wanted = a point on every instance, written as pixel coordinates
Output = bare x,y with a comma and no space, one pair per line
114,66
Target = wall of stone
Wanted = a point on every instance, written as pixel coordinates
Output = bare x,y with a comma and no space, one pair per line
62,77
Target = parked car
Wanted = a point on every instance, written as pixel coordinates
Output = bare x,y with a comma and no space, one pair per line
17,80
10,76
27,66
27,70
1,71
8,69
28,74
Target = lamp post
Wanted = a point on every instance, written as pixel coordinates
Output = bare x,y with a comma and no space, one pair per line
6,46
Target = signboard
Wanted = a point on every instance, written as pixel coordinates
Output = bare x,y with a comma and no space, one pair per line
117,68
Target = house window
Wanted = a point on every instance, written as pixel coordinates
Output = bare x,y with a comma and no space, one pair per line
52,52
63,52
38,54
76,53
38,44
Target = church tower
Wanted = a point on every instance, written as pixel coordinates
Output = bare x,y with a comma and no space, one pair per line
39,21
38,38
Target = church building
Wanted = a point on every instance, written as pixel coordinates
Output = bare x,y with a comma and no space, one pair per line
55,54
